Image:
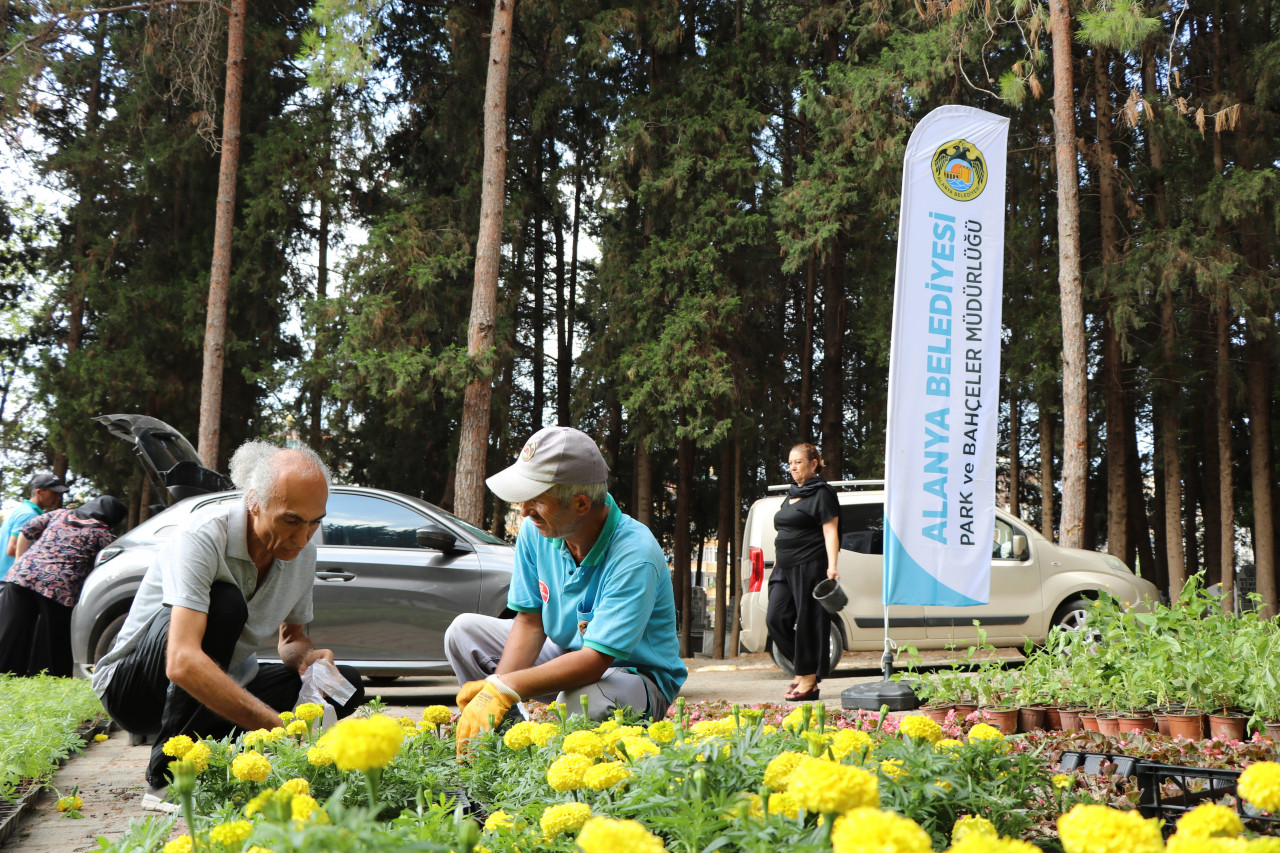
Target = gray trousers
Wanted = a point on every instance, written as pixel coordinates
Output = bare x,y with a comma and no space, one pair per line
474,645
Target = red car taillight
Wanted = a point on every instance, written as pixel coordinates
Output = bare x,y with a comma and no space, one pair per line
757,569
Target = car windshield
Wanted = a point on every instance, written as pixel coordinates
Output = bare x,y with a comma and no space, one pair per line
167,449
482,535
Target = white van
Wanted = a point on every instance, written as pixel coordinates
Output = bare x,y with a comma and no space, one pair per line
1035,584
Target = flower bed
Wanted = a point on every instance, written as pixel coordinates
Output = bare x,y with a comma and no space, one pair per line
41,720
704,780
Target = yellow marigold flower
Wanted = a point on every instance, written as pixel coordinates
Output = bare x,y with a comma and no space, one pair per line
871,829
1210,820
70,803
618,732
543,733
181,844
297,728
1179,843
792,722
583,743
407,723
713,728
519,736
1263,844
499,820
778,772
972,824
309,711
663,731
288,717
304,807
1260,785
823,787
920,727
948,743
892,768
256,849
635,748
566,817
437,715
606,835
846,741
607,726
1101,829
565,773
364,743
250,766
319,756
259,802
275,734
198,756
982,731
178,746
982,844
257,738
781,802
233,833
1061,781
606,775
99,737
296,786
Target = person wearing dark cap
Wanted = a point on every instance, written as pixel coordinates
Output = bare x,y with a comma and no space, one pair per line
45,583
46,494
595,613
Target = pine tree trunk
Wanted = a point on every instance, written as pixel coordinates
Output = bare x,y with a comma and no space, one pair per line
539,295
215,329
473,433
833,367
1015,454
1258,377
644,484
682,547
1226,495
735,558
724,533
1046,469
1075,412
805,356
1169,452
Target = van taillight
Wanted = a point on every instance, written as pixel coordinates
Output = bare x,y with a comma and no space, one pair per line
757,569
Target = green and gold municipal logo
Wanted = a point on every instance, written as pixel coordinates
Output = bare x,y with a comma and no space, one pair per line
960,170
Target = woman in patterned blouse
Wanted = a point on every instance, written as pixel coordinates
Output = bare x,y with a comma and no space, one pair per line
44,585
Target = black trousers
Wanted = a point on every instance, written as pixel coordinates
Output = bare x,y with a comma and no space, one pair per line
35,633
798,625
142,700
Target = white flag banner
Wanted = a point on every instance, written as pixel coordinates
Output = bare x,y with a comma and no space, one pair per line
944,362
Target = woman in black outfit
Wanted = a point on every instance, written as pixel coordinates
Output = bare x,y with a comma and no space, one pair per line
805,552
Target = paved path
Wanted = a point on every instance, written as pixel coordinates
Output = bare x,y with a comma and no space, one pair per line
110,773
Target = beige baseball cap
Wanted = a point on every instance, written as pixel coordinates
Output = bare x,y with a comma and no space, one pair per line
553,455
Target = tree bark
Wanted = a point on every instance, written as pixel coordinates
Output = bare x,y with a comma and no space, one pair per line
1015,451
682,546
1226,496
724,533
1075,412
833,366
1046,469
215,329
644,484
473,433
735,558
1260,469
806,352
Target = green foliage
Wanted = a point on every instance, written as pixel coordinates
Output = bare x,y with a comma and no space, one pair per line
39,720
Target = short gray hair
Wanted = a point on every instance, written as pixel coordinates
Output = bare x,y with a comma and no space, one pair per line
253,471
595,492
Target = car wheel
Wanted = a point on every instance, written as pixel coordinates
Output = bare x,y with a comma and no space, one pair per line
835,650
108,637
1072,615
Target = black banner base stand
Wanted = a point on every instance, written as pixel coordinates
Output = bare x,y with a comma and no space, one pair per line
872,696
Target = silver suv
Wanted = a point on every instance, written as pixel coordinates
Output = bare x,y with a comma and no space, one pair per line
1035,584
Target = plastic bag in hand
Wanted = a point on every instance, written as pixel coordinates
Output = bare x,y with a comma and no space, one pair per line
323,679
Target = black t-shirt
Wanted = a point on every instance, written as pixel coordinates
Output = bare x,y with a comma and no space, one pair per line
799,526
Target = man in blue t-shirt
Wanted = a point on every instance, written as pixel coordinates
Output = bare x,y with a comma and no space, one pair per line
46,494
595,614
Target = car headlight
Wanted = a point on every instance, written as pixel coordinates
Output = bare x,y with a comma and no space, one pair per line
107,554
1115,563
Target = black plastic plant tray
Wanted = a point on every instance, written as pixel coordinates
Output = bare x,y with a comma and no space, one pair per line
1091,762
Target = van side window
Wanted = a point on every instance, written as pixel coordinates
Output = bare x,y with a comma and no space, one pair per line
862,528
1002,544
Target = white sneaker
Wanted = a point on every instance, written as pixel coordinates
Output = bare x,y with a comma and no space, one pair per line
154,801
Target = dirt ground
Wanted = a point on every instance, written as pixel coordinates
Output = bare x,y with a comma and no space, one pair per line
110,774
